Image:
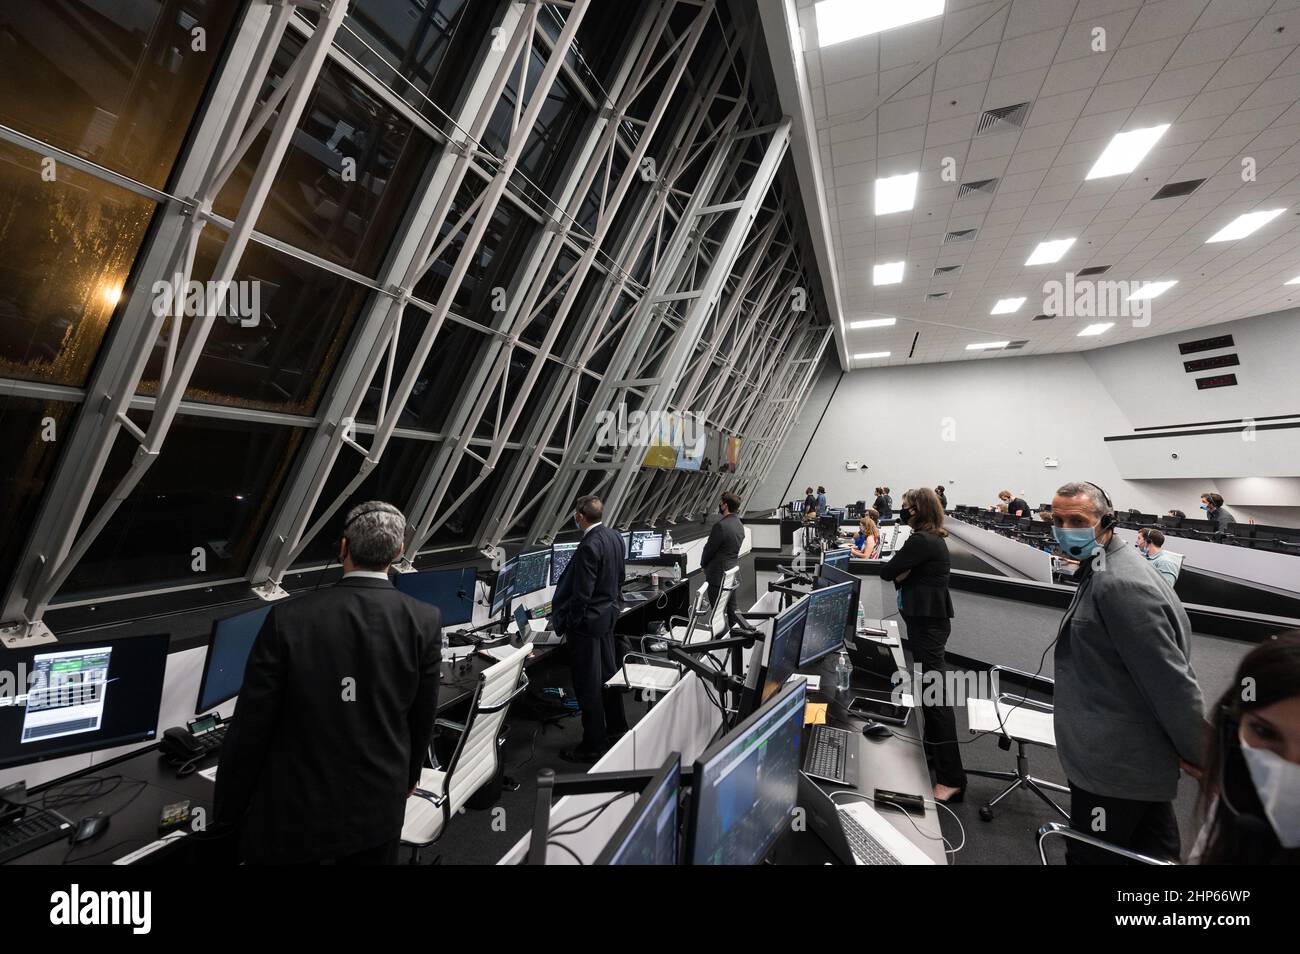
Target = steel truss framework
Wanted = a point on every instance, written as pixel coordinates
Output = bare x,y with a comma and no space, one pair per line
681,297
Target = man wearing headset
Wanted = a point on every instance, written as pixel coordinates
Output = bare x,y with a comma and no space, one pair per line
336,712
1128,709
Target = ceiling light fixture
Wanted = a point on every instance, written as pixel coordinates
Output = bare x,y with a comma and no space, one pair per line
872,323
1243,225
896,193
1006,306
1096,329
1048,252
1151,290
987,345
1125,151
868,355
888,273
842,20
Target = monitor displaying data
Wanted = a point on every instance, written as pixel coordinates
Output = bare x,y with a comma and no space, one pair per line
648,835
646,545
827,621
837,558
69,699
223,670
502,589
561,554
745,786
783,653
532,572
452,591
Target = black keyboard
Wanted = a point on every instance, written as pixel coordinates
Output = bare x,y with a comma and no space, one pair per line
832,755
31,832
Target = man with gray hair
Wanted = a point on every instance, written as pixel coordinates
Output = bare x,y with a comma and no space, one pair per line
1128,709
336,712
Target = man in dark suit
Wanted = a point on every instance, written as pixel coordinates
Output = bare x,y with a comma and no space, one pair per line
336,712
584,609
722,552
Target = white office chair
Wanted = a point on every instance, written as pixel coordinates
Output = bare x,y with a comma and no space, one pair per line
1022,721
707,624
441,793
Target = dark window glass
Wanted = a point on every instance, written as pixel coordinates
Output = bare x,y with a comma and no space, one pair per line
213,487
554,132
280,358
463,525
30,431
494,260
348,177
115,81
423,51
441,381
393,480
65,250
520,363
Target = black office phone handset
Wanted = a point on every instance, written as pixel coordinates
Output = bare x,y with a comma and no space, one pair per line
184,747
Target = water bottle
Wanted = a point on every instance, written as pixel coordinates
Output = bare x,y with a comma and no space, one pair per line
862,619
843,672
446,646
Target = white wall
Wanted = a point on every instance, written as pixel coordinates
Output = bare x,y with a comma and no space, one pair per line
984,425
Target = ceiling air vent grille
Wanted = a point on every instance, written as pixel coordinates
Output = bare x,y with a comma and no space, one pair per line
1003,119
961,235
946,270
984,186
1014,345
1175,189
937,296
1091,270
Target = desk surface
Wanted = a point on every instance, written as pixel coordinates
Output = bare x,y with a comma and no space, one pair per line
895,763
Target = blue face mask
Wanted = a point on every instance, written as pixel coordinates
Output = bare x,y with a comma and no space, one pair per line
1078,543
1205,507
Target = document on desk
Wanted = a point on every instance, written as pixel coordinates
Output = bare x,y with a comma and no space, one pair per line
499,652
814,713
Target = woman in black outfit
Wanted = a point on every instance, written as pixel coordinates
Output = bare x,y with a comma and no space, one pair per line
920,573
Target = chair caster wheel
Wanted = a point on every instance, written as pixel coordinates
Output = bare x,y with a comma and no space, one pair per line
986,813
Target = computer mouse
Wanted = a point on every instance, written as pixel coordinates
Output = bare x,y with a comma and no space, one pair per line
91,826
876,730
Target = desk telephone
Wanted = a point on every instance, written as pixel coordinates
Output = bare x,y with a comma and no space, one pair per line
185,747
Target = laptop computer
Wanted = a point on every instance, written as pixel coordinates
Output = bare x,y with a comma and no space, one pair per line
854,831
543,635
871,655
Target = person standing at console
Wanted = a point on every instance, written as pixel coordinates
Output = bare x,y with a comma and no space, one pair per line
584,609
920,570
722,552
1128,708
336,712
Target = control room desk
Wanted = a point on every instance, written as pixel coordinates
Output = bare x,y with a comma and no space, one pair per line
896,764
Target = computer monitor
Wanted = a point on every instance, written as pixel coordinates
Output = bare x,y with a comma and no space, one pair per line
648,834
561,554
532,572
646,545
81,698
223,669
783,649
837,558
744,787
827,622
452,591
502,589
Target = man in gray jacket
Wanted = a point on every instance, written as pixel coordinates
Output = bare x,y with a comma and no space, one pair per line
1128,707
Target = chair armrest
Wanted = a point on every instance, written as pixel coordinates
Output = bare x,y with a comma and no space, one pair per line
1065,831
1032,677
457,727
505,703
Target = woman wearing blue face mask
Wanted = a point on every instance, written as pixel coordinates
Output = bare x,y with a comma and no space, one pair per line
1250,793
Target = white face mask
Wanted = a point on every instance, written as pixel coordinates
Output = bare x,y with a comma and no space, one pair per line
1277,783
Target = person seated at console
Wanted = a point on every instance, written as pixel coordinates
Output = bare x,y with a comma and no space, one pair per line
1212,504
1014,505
1149,543
867,539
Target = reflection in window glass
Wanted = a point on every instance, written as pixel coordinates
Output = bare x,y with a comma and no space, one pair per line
114,81
420,49
280,358
464,522
65,250
30,431
198,511
347,178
